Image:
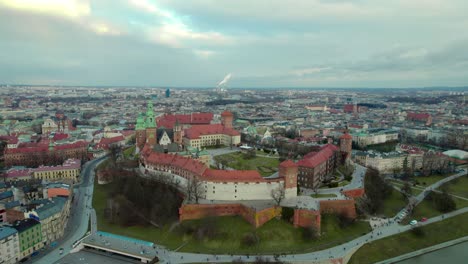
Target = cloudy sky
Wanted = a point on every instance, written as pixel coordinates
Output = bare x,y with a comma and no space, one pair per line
262,43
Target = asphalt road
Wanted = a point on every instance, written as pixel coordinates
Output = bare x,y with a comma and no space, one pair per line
79,216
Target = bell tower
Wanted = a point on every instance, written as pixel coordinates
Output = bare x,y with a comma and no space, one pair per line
140,133
150,124
178,133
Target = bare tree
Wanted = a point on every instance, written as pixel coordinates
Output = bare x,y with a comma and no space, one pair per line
278,194
194,190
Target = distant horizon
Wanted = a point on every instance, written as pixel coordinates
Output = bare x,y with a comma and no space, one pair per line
235,88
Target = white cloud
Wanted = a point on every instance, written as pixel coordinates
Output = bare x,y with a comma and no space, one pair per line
204,53
102,28
307,71
63,8
177,35
149,7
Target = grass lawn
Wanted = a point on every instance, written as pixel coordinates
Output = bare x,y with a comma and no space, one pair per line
458,186
426,209
343,183
392,204
429,180
264,165
261,152
399,184
400,244
276,236
319,195
160,236
129,152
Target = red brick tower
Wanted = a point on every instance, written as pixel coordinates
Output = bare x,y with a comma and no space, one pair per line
226,119
346,144
178,133
288,170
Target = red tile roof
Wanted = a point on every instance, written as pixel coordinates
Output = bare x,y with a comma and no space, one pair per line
168,121
9,139
418,116
314,159
349,108
232,175
226,113
288,164
346,136
199,130
60,136
106,142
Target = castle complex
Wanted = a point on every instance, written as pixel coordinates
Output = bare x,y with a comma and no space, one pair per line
193,130
235,192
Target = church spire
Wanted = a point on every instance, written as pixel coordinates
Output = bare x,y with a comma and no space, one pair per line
150,120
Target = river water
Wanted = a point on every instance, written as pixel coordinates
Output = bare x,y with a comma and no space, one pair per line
456,254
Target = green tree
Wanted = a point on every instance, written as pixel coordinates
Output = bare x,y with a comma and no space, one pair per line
376,189
406,190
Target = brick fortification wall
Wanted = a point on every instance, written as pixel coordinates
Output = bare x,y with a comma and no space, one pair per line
345,207
255,218
354,193
306,218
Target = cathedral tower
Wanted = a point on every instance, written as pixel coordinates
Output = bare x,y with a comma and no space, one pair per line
178,133
140,132
150,125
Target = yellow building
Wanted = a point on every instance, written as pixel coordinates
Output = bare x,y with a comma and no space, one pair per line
69,170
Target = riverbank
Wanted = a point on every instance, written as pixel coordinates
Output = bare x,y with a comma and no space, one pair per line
425,250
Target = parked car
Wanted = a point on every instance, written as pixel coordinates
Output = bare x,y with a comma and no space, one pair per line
424,219
61,251
413,222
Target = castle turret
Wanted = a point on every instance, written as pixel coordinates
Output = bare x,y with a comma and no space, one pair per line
178,133
288,170
226,119
346,144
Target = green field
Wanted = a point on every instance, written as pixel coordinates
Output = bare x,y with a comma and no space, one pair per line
392,204
458,186
274,237
400,244
426,209
128,153
399,184
264,165
429,180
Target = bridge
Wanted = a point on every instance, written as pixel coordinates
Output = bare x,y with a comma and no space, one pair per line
135,249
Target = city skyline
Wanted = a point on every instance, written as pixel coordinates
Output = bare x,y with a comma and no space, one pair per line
317,44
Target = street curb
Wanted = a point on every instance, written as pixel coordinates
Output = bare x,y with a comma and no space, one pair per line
424,250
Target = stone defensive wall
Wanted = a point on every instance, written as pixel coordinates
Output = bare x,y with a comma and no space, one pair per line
254,217
354,193
339,207
306,218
